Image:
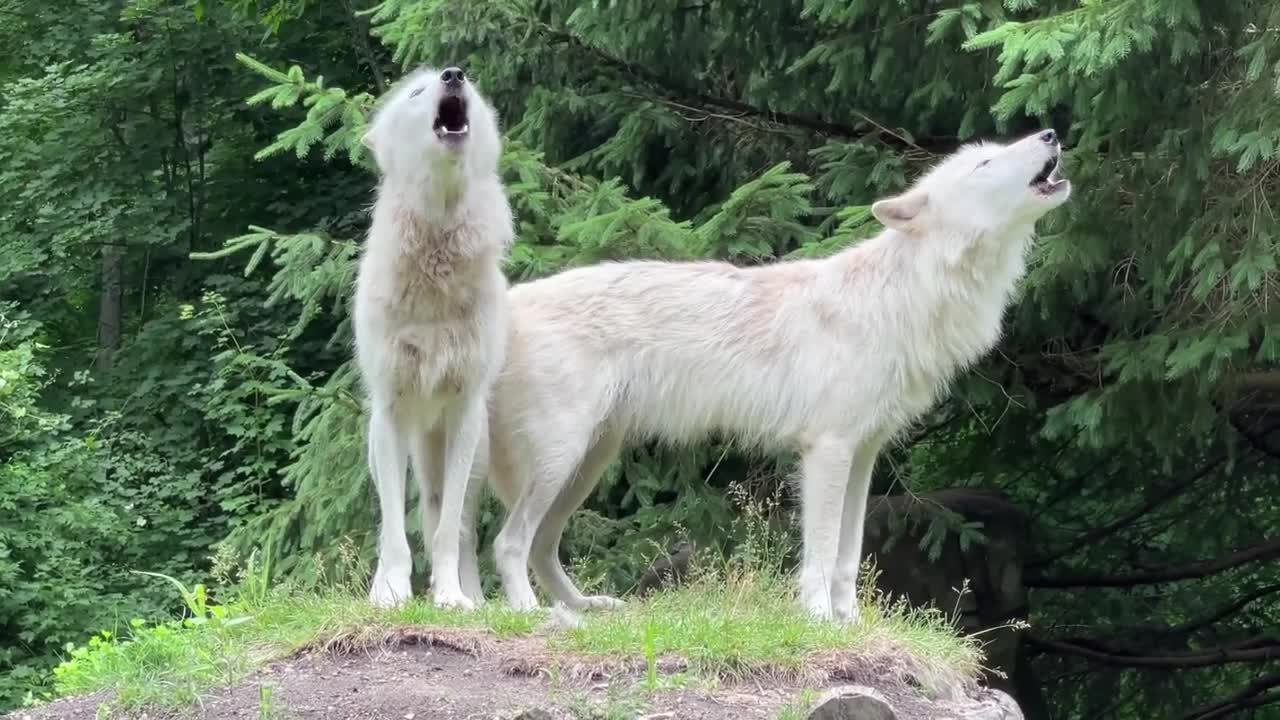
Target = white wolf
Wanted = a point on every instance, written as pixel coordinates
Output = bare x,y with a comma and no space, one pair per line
430,318
831,357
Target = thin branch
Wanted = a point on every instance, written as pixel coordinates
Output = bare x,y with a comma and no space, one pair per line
1264,381
1128,518
922,432
688,96
1252,695
360,34
1068,486
1256,553
1226,611
1256,440
705,114
1191,659
1150,632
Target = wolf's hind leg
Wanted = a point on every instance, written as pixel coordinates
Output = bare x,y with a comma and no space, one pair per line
545,476
546,541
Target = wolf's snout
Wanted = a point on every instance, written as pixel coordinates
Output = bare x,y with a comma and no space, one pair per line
1048,137
452,77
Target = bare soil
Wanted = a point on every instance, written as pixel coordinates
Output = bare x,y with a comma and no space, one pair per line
431,675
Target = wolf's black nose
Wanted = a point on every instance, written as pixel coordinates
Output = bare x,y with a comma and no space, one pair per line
452,77
1048,136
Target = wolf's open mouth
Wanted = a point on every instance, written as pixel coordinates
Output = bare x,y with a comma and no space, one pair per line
1048,181
451,118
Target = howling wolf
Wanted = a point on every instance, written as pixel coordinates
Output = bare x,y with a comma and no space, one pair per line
430,318
831,357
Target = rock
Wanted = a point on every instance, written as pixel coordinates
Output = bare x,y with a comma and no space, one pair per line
990,704
982,582
668,570
852,702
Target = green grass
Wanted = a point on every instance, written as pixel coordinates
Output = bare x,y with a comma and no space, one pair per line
797,709
735,625
726,625
172,664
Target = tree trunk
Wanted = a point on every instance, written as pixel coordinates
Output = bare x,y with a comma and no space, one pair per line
110,308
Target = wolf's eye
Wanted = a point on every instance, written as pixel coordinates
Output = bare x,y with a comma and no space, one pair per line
416,92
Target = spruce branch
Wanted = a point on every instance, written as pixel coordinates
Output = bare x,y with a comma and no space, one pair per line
1268,550
1174,491
1259,649
1252,695
671,90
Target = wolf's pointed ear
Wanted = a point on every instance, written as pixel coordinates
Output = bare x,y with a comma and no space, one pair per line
900,212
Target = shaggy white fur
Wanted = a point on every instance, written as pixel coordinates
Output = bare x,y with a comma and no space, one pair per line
431,318
832,357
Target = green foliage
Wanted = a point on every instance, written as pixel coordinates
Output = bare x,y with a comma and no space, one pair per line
110,115
107,500
325,108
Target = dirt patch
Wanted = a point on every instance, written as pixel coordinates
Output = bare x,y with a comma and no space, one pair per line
427,674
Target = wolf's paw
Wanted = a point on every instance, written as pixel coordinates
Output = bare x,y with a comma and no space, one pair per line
563,617
602,602
844,602
453,599
522,602
387,593
471,586
818,605
847,615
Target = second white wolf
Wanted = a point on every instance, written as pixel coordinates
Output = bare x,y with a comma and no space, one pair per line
831,357
430,320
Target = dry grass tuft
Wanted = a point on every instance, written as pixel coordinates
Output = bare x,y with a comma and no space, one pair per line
365,639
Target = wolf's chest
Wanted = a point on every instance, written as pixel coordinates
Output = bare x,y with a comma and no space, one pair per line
429,280
931,354
431,260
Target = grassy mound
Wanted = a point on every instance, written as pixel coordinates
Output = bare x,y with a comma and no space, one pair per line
723,625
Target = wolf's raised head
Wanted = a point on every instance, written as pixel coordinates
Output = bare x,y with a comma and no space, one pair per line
981,189
435,126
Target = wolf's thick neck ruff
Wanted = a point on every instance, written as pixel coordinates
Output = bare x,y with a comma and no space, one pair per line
438,199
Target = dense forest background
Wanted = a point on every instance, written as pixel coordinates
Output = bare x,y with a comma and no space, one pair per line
179,224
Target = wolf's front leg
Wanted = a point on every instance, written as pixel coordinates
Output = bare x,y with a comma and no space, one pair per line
463,423
823,483
844,591
388,463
